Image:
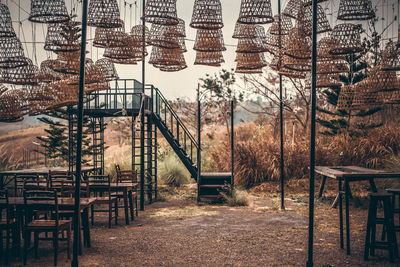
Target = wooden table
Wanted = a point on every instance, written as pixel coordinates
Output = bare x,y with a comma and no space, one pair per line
349,174
125,188
66,203
41,171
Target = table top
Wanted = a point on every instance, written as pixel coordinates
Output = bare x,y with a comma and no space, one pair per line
44,170
354,172
62,201
113,185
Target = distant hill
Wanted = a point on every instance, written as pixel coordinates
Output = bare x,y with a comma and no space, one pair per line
28,122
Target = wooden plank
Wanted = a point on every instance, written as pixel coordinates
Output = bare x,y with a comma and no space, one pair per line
354,172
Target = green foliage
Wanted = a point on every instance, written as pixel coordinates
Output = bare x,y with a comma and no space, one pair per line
234,197
171,171
7,161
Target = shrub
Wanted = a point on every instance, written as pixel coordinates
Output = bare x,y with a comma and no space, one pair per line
235,197
172,172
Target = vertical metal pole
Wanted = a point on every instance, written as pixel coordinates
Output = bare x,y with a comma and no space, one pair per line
312,137
142,115
198,143
232,146
282,161
79,135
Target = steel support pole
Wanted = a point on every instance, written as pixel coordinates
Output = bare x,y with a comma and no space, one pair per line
282,161
199,143
310,262
232,146
142,115
75,262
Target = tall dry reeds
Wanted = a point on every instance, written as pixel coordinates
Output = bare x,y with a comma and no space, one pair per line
257,153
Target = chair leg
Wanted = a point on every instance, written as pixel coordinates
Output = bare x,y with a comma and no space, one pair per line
7,245
36,243
131,205
92,213
136,206
69,242
55,244
109,214
116,212
26,245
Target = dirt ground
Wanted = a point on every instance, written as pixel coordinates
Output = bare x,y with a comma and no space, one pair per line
178,232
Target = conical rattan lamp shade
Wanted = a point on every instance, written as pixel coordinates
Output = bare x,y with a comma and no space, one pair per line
246,71
275,43
165,36
355,10
346,96
299,45
309,2
161,12
48,11
137,33
304,20
213,59
207,14
292,8
365,98
391,57
347,39
209,41
63,37
104,14
25,75
122,52
250,61
380,80
327,63
107,68
11,106
6,28
296,64
286,25
255,12
11,53
328,80
46,73
255,45
109,37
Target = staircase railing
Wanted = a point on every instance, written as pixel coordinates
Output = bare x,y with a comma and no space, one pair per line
161,107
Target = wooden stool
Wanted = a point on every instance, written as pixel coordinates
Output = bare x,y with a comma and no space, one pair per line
395,193
388,223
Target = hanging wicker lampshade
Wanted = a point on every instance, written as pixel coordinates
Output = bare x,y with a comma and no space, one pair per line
3,89
172,68
213,59
255,12
164,36
104,14
11,53
245,31
364,97
292,8
124,61
246,71
391,57
67,62
286,25
327,80
45,11
309,2
209,41
380,80
250,61
63,37
299,45
355,10
328,66
347,39
161,12
46,73
12,107
296,64
93,74
162,56
275,43
123,52
25,75
6,28
304,20
345,99
137,33
109,37
256,45
107,69
207,14
39,92
64,94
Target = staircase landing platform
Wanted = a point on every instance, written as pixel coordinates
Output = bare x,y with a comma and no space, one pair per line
216,174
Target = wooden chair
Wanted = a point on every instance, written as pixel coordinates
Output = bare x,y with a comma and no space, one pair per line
19,182
101,186
56,179
128,176
9,224
38,200
33,183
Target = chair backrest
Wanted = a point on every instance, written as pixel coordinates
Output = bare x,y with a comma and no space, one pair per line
68,189
34,183
4,205
56,178
41,200
101,180
128,176
19,181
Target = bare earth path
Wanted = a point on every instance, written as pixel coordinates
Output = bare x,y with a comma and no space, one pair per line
177,232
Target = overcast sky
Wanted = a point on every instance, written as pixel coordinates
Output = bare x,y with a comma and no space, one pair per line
172,84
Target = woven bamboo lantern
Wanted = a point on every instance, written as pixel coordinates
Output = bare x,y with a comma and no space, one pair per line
207,14
209,41
3,89
172,68
309,2
63,37
137,33
345,99
93,74
104,14
275,43
380,80
164,36
255,12
355,10
11,107
107,69
327,66
256,45
67,62
123,52
292,8
327,80
46,73
364,97
64,94
296,64
6,28
25,75
250,61
161,12
246,71
162,56
305,20
46,11
109,37
245,31
286,25
11,53
391,57
347,39
213,59
299,45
